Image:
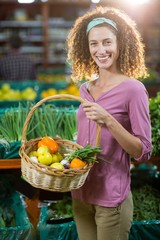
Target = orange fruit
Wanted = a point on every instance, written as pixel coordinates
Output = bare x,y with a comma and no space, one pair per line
77,163
50,143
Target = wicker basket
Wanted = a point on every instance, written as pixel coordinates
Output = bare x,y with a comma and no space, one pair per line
45,177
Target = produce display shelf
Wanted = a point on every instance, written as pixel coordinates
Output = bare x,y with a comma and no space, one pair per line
10,163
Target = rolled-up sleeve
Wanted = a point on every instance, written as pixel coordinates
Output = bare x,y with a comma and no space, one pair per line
140,120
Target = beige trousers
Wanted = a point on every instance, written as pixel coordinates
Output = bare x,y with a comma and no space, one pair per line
102,223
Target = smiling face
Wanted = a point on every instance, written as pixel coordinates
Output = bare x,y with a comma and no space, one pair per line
103,47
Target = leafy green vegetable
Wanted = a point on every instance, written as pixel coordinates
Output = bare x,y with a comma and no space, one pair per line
7,216
87,153
47,120
146,203
154,106
12,121
60,209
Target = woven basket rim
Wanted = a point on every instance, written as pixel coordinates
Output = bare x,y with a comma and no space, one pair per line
47,169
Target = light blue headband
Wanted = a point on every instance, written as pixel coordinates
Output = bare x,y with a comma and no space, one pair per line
96,21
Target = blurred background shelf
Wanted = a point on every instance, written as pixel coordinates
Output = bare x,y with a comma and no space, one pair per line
44,27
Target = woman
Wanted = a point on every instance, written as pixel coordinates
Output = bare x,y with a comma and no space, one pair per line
105,43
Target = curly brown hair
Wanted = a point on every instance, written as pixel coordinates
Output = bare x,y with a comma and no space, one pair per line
131,48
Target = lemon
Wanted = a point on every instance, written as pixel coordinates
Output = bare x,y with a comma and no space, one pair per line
52,91
57,165
5,87
28,94
62,91
72,89
44,94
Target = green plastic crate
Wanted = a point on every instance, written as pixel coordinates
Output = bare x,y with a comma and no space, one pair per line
23,229
57,231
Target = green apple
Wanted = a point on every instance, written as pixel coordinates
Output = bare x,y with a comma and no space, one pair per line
54,158
45,158
33,154
57,157
42,150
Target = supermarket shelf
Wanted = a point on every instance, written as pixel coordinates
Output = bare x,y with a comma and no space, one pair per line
35,23
32,49
60,24
10,163
22,24
46,29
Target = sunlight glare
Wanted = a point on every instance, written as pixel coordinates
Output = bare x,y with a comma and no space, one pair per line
136,2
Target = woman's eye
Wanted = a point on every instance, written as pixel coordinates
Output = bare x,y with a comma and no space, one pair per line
107,42
92,44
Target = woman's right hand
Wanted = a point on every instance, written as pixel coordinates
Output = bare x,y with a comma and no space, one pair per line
95,112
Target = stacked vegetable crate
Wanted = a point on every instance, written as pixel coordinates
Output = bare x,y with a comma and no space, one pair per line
13,92
14,222
56,220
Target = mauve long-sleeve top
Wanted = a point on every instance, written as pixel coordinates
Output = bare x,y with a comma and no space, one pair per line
108,184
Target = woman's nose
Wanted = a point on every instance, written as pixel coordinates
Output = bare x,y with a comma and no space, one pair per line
101,48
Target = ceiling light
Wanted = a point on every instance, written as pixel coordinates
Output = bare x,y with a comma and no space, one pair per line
138,2
25,1
95,1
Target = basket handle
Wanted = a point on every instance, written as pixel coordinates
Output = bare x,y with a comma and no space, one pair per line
54,97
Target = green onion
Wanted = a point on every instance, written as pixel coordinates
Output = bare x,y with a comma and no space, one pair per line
87,153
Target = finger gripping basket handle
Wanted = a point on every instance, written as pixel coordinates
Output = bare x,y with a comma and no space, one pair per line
54,97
